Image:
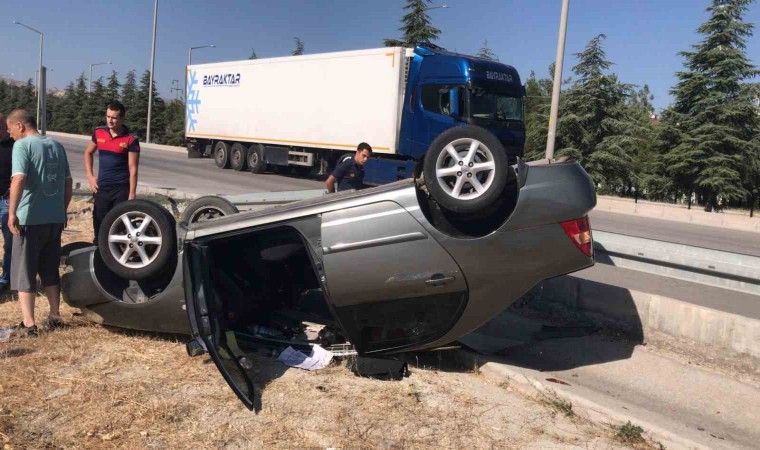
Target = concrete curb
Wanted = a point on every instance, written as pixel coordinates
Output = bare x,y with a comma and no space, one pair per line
638,312
166,148
532,386
675,213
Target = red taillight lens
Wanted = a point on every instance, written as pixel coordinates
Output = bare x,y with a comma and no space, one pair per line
579,231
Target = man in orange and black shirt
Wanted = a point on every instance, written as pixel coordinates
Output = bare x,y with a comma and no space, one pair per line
118,158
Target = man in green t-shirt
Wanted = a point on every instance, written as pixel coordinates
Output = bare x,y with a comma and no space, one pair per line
40,194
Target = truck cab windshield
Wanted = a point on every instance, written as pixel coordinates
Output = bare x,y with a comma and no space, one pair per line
495,106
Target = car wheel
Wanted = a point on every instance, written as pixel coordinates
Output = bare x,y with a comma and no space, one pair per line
465,169
207,208
222,155
238,156
137,239
256,163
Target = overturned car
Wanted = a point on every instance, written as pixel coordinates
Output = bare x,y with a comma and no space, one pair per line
385,269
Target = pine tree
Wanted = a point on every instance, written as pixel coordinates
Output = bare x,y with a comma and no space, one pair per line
129,99
5,90
417,27
26,96
715,111
537,107
78,101
139,114
594,127
174,119
253,55
93,112
64,117
299,47
485,52
112,89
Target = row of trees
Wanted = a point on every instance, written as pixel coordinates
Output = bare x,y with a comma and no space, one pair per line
706,148
79,111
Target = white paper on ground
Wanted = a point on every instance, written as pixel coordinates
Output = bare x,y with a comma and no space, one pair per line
319,358
5,334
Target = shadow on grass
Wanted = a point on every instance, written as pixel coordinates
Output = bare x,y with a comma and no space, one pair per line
15,352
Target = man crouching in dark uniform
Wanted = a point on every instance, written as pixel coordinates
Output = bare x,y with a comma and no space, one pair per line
349,173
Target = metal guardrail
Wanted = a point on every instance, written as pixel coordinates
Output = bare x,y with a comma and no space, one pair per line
700,265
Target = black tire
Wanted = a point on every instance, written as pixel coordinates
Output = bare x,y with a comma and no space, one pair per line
158,240
207,208
222,155
238,156
71,246
458,191
255,159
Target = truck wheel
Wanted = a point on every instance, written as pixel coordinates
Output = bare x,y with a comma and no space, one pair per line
207,208
256,163
238,156
222,155
465,169
137,240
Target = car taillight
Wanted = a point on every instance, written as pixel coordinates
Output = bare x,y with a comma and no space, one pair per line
579,231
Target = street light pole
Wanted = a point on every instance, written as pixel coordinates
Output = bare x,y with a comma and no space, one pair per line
557,81
190,52
39,93
152,66
89,88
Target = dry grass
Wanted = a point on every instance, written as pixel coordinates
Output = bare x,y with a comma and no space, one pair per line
88,386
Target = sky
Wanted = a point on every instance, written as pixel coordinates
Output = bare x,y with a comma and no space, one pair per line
643,36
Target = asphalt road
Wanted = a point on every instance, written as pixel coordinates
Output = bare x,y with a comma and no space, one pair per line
173,170
715,238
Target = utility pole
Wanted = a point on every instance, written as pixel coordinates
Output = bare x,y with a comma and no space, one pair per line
40,92
152,66
176,89
557,81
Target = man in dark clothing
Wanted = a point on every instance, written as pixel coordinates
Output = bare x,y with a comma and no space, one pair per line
349,173
6,154
118,158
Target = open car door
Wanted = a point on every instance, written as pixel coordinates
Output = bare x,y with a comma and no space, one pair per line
392,285
204,308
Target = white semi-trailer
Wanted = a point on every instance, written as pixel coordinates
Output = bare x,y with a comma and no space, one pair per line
306,111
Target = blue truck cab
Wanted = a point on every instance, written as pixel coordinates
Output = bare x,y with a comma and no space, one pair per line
445,90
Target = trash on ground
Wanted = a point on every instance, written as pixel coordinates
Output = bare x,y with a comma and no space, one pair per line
319,358
5,334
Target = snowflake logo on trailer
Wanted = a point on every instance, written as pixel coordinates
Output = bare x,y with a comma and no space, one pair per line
193,102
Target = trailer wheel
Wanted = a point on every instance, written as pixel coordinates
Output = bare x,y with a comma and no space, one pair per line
238,156
207,208
465,169
138,240
256,163
222,155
